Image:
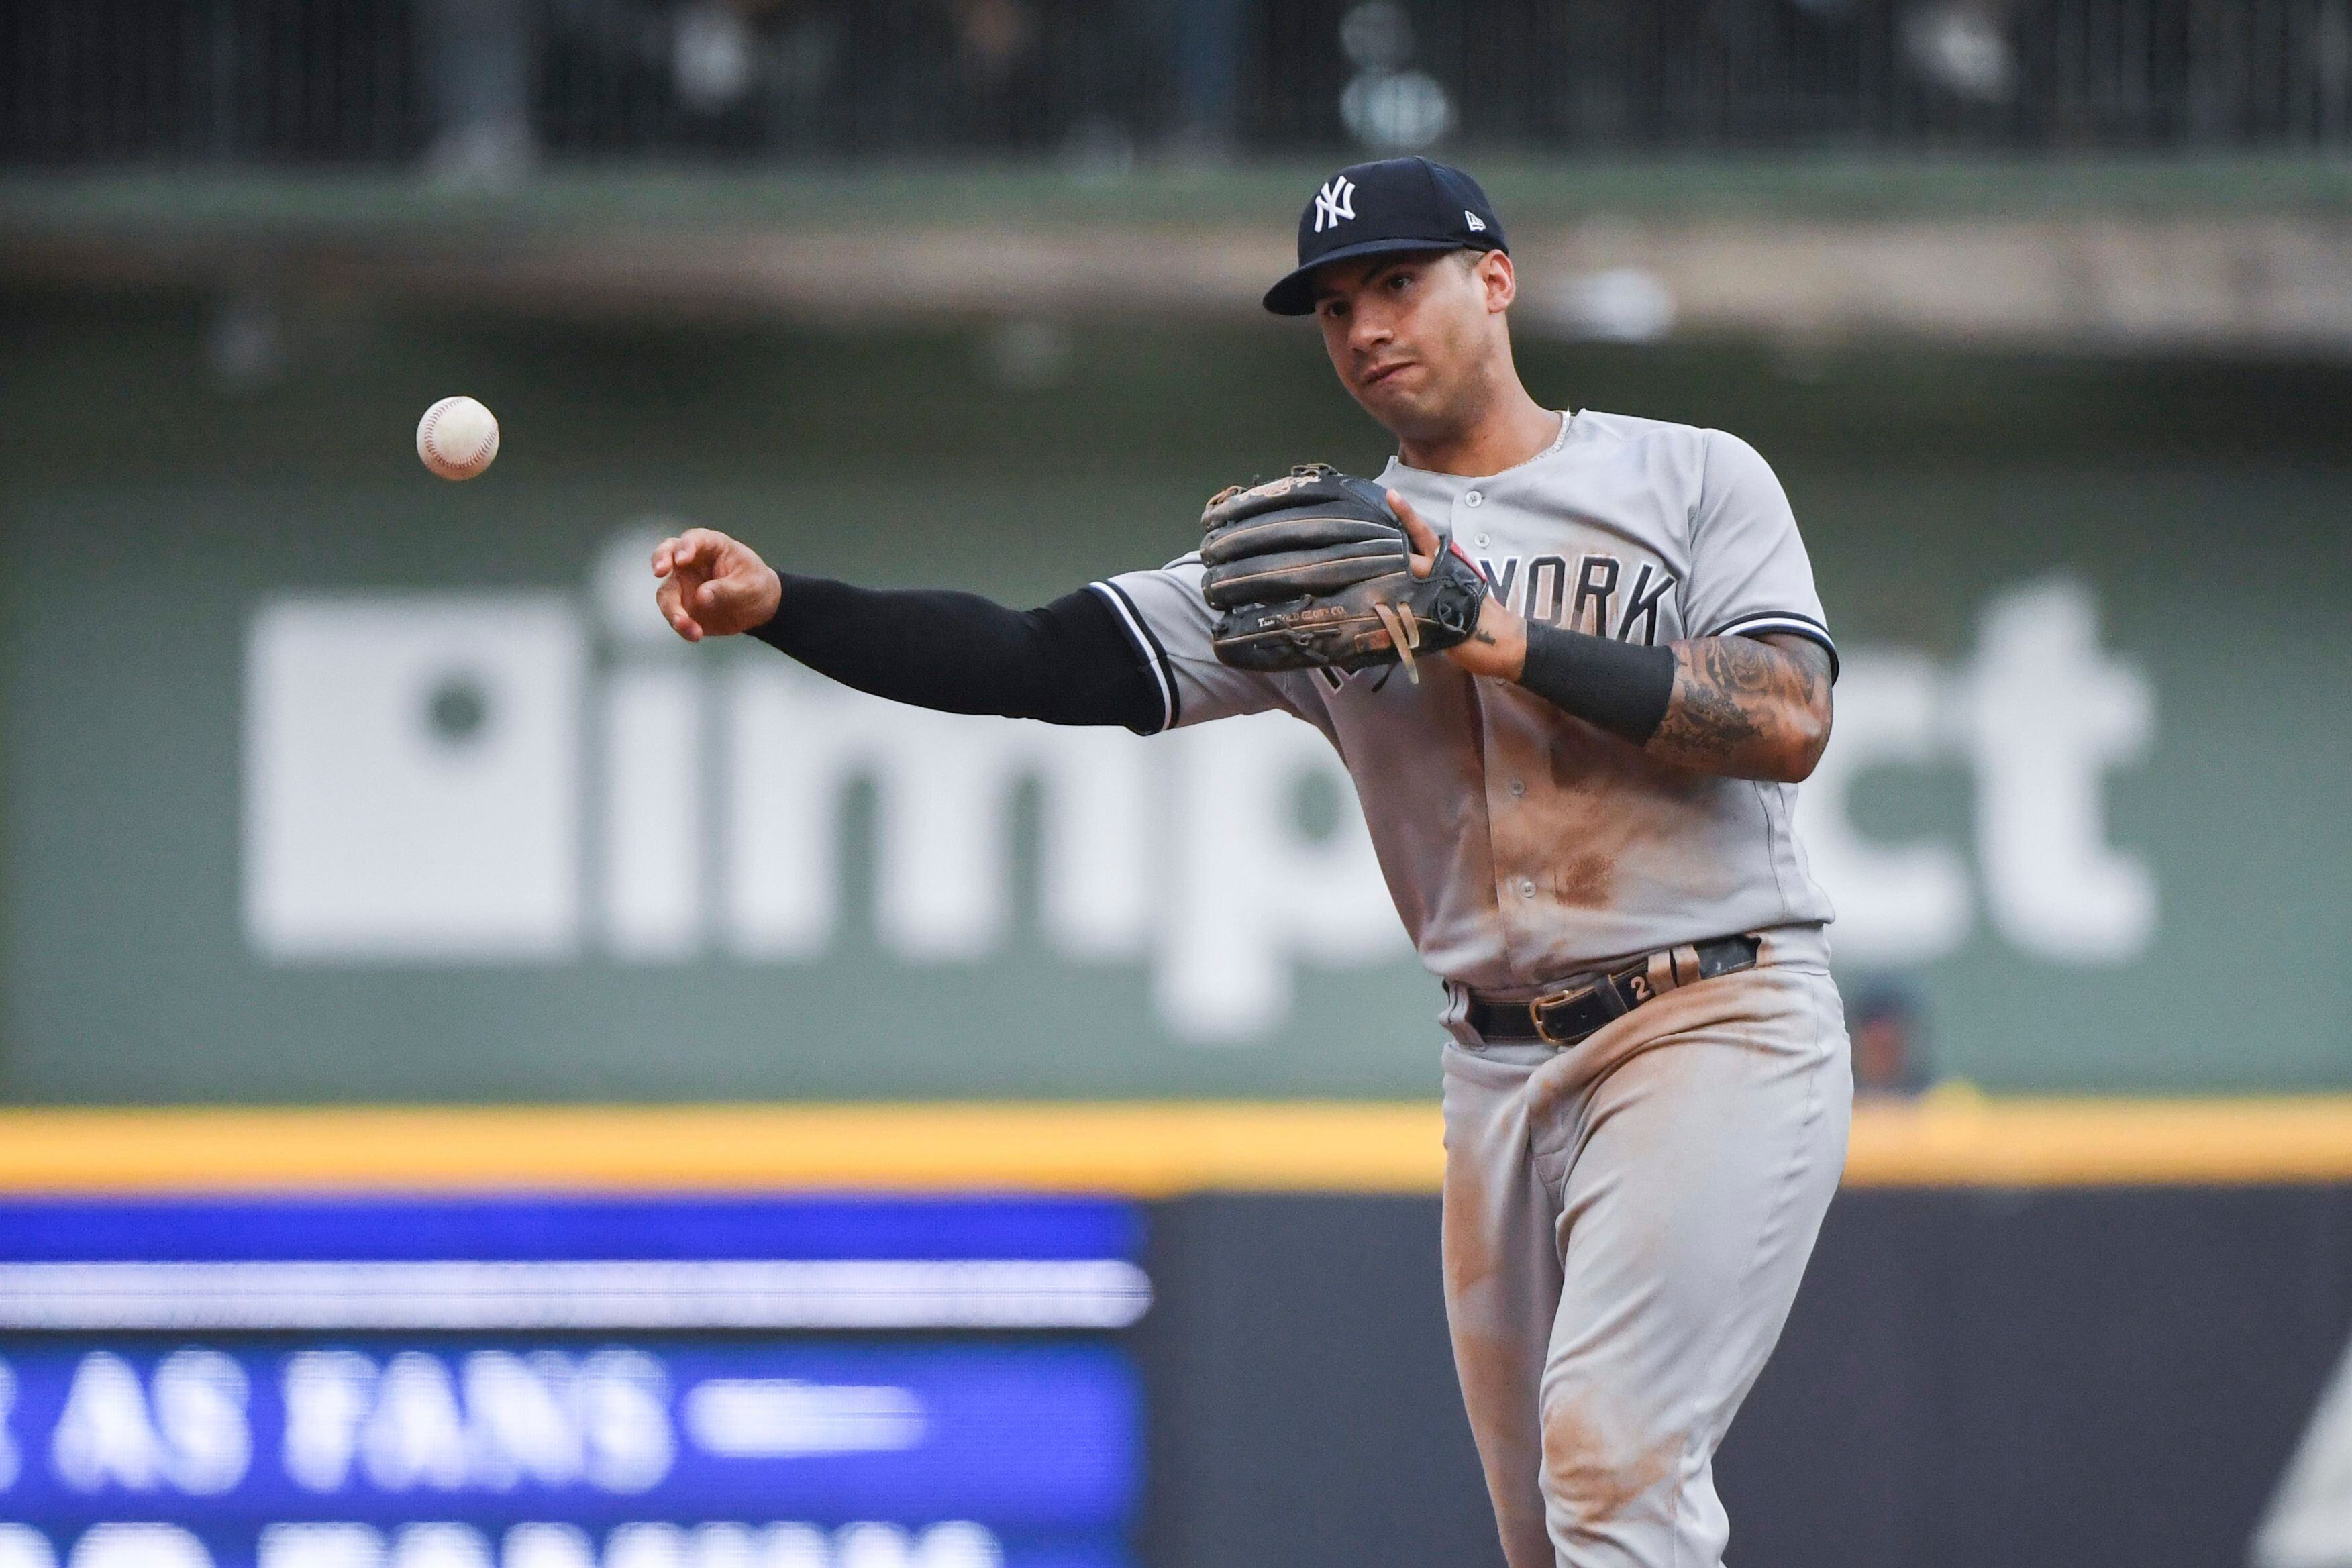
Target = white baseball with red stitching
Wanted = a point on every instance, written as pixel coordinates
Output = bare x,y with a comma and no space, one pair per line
457,437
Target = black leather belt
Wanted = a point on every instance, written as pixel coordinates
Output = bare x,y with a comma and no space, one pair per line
1583,1005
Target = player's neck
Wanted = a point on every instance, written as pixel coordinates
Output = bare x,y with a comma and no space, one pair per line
1511,430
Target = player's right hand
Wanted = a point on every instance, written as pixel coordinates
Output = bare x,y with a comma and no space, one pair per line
1499,645
713,586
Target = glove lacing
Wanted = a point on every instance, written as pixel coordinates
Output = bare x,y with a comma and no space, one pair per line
1405,635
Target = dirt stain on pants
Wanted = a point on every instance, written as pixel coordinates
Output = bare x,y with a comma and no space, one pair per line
1626,1223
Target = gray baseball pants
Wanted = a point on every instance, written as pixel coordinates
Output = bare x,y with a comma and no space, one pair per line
1626,1222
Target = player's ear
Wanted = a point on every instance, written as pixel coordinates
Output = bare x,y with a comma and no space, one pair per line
1500,278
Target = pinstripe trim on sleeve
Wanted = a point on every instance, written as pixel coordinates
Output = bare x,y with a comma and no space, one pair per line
1761,621
1146,643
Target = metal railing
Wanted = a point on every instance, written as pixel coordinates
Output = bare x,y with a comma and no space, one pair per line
491,86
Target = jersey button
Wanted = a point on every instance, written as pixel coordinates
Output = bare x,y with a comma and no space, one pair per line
1474,499
1481,541
1518,786
1526,887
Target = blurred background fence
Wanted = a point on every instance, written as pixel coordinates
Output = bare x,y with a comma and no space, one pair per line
1100,82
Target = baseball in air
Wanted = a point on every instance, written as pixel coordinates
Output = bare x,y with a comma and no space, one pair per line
457,437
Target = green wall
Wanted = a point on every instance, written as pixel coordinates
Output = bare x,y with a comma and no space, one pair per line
157,521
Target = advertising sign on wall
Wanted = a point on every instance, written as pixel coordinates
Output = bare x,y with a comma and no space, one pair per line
370,1439
377,788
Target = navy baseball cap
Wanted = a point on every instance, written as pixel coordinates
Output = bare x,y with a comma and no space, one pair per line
1396,203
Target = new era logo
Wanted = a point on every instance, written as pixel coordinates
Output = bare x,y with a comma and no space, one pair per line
1333,202
1478,224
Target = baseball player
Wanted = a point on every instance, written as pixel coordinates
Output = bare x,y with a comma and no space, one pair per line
1615,672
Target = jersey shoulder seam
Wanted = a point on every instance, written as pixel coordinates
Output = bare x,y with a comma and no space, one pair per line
1698,498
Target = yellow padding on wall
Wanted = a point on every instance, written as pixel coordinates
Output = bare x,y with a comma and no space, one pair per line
1961,1140
1147,1150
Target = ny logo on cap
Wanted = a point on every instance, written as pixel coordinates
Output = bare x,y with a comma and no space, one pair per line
1334,202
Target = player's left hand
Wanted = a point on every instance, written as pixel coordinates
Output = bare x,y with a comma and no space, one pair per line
1499,646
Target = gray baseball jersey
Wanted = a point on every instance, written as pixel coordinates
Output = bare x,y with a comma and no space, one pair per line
1626,1221
1522,844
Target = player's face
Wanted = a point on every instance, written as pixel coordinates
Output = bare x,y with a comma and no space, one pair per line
1416,338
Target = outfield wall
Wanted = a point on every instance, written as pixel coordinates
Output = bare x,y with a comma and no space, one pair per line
2041,1334
327,782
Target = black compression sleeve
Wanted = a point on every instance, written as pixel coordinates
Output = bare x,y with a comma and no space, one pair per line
1070,662
1623,687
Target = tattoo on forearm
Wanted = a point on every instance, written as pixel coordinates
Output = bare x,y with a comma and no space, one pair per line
1740,704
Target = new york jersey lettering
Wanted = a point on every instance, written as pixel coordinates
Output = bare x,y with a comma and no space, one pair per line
1585,599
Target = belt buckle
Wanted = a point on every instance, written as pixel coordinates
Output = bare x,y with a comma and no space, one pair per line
1561,998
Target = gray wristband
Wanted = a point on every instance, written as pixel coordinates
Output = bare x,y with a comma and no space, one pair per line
1622,687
